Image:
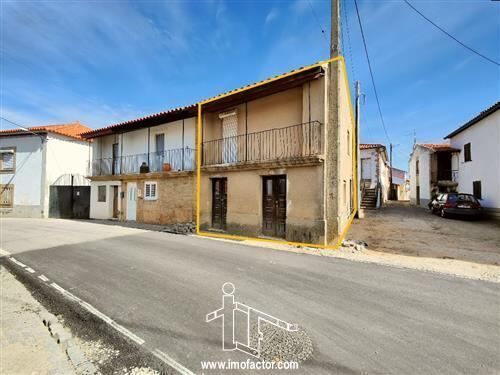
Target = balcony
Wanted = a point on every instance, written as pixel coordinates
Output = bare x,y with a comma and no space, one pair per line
290,143
181,159
445,177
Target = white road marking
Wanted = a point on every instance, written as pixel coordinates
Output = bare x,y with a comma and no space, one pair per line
99,314
30,270
4,253
43,278
171,362
17,262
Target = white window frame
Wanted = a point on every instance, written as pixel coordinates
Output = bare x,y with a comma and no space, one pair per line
147,195
8,150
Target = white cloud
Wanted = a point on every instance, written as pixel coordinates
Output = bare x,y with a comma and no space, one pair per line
271,16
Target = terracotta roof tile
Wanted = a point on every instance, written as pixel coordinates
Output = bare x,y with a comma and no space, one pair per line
437,147
367,146
72,130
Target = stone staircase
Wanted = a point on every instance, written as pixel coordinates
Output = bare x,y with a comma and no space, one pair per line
369,199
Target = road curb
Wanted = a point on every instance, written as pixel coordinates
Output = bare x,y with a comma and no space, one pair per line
64,339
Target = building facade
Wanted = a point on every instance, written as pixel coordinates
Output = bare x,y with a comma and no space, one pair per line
34,160
264,160
265,153
400,185
433,169
374,175
479,163
143,170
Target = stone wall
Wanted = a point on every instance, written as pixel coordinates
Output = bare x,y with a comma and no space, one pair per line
175,204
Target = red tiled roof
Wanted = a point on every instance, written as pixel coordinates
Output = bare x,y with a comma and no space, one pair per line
72,130
438,147
189,110
367,146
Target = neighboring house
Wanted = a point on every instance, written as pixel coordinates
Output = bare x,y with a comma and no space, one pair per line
400,185
479,163
374,175
433,169
142,169
270,164
33,163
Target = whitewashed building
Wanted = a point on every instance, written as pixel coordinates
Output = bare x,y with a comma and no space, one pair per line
143,169
479,163
400,185
32,161
374,175
433,169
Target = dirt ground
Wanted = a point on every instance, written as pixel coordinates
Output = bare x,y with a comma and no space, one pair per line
400,228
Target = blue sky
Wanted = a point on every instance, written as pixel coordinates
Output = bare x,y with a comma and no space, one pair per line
108,61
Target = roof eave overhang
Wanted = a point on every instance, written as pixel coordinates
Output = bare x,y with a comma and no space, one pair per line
154,120
264,89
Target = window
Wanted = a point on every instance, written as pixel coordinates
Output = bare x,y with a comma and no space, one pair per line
160,142
7,160
351,200
6,196
417,167
476,189
348,143
150,191
467,154
345,192
101,193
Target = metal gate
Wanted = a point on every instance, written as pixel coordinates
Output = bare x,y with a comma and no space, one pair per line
69,202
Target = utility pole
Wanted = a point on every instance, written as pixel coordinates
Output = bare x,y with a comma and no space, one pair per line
390,175
358,157
332,140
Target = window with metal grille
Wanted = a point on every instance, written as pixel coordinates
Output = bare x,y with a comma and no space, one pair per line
6,196
467,153
150,191
7,160
476,189
101,193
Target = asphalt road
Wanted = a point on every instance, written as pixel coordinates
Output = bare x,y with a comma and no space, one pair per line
361,318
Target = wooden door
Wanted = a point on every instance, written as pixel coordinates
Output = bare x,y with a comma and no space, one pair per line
115,202
274,206
219,203
116,161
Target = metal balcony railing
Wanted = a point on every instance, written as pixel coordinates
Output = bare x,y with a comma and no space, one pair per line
181,159
292,142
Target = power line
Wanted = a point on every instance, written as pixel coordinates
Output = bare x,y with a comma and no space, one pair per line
317,20
22,127
349,39
451,36
371,72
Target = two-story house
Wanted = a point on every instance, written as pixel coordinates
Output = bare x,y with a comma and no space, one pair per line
35,162
266,150
143,169
479,162
271,165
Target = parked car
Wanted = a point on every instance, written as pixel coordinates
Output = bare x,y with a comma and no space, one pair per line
455,204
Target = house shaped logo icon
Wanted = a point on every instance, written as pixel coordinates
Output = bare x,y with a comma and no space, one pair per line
254,317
